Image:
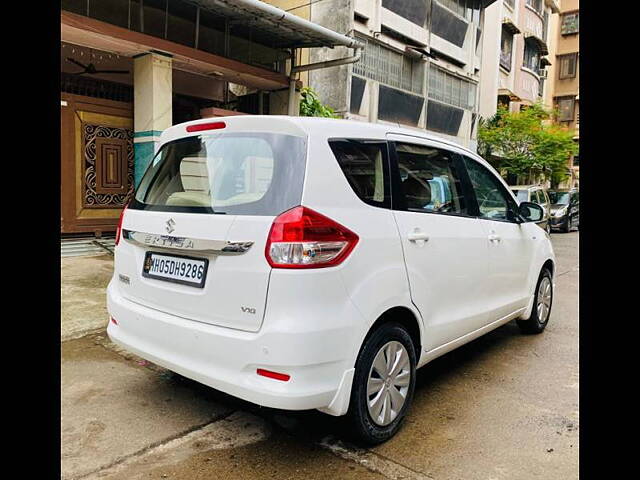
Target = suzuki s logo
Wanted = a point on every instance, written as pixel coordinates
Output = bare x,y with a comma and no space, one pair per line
248,310
170,224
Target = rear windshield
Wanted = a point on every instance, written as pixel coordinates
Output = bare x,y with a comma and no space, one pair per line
233,173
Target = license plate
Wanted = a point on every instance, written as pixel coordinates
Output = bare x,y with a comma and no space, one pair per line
175,268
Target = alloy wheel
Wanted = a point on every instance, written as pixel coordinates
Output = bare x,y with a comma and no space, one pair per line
543,303
388,383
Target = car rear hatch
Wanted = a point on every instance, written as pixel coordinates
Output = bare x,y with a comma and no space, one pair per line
193,237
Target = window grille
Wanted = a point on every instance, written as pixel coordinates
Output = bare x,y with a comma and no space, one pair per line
450,89
389,67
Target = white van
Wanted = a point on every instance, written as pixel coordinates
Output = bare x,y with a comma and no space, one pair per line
301,263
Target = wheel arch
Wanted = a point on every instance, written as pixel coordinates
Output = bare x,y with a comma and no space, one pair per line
550,265
405,317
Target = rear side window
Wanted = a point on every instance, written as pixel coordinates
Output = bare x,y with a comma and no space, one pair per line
429,180
234,173
365,165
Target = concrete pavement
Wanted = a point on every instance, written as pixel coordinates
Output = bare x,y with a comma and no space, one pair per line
502,407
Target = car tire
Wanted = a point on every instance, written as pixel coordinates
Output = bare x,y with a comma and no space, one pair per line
373,428
539,318
566,228
548,229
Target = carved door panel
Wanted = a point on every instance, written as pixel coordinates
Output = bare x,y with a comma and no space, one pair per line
97,163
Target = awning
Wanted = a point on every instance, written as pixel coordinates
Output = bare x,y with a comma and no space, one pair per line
275,26
532,37
544,62
509,26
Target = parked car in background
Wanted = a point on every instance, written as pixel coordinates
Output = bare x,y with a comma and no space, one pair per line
535,194
308,263
565,209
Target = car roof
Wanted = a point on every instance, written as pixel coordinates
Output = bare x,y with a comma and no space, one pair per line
308,124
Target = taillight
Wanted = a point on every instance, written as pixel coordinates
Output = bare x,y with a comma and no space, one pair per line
119,228
303,238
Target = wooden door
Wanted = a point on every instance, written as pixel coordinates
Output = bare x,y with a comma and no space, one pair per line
97,162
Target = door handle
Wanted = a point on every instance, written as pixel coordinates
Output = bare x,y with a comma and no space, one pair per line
494,238
418,236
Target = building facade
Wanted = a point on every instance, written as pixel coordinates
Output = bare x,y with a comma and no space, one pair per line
531,54
516,54
565,75
420,66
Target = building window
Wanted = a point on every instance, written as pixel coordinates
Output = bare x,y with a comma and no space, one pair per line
570,23
531,56
511,3
566,106
576,161
536,5
506,47
390,67
568,65
456,6
450,89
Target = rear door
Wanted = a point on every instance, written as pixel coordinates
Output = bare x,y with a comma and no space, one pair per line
195,233
445,247
510,244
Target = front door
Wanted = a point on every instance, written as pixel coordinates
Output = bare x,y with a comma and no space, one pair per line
510,244
445,248
97,162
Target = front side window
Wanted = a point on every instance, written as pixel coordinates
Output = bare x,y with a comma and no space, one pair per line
234,173
521,195
429,180
493,200
365,165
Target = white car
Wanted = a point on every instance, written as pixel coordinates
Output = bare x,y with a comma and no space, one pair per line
301,263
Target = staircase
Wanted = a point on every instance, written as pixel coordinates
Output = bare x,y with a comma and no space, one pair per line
89,245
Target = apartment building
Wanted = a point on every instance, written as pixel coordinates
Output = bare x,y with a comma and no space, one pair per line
420,66
565,75
516,53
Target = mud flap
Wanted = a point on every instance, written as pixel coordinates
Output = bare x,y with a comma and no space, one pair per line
340,403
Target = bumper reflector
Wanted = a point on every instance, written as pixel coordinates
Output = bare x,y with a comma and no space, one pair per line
275,375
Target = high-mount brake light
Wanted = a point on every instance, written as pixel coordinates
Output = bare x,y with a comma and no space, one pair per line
304,238
119,228
206,126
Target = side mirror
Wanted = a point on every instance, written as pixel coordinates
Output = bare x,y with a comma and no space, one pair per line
530,212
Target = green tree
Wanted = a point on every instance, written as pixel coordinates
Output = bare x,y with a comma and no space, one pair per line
527,143
311,106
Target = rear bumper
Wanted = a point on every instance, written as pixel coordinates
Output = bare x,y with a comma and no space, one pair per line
317,359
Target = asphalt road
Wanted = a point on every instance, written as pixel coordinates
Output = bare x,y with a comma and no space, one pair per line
502,407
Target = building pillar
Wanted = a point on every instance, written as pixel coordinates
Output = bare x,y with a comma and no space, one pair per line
152,106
